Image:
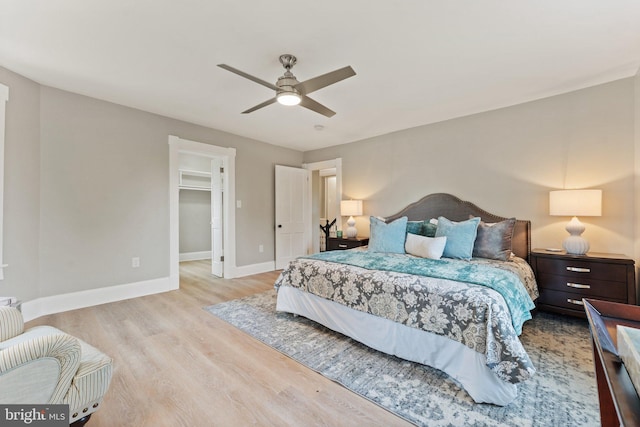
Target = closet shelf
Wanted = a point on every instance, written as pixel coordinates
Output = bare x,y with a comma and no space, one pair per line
194,180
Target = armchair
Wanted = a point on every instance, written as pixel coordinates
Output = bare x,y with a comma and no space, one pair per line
44,365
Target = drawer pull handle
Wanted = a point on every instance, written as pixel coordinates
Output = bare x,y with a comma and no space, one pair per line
579,269
578,286
574,301
342,246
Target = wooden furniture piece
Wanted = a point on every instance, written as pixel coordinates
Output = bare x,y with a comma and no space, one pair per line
619,402
564,279
342,243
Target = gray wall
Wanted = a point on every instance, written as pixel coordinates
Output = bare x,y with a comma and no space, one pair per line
507,160
21,187
87,189
195,221
86,181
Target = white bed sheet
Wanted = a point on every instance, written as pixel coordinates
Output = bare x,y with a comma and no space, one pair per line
464,365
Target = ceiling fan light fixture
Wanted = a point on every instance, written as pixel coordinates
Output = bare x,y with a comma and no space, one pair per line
288,98
289,91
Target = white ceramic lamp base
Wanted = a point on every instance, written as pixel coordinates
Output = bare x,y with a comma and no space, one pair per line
575,244
351,231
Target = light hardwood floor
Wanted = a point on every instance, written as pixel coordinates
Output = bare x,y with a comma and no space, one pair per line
178,365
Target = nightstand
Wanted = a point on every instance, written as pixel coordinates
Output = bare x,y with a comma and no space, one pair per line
342,243
564,279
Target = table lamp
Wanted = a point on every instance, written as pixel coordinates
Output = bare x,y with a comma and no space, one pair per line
575,203
351,208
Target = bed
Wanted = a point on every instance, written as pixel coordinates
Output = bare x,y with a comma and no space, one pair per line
461,316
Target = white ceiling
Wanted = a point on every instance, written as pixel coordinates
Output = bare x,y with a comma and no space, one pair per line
417,61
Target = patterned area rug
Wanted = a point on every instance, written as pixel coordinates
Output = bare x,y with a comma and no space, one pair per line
562,393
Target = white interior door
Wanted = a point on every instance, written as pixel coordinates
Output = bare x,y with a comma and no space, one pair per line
291,214
217,244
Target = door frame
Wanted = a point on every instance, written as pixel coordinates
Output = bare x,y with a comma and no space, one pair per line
316,166
178,145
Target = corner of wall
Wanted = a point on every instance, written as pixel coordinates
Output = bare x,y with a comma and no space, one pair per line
636,119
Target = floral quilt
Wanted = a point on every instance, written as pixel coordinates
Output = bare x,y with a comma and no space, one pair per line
472,314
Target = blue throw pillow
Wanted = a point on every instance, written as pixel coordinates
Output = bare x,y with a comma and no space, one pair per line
429,229
415,227
460,237
387,238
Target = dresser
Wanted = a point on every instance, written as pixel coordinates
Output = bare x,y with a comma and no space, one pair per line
342,243
619,402
564,279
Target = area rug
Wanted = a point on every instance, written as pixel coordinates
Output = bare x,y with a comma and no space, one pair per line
562,393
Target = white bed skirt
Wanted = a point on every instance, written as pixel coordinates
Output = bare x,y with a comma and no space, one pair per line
466,366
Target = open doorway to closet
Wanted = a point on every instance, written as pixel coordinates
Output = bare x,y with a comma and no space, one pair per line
200,212
202,221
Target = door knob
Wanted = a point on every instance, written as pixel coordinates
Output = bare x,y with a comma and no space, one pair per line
279,225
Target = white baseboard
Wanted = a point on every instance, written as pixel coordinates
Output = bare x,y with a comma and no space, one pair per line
74,300
195,256
81,299
248,270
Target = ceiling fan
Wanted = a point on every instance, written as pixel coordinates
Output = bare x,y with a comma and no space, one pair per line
289,91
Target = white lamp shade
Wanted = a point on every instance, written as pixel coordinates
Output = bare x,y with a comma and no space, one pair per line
351,207
575,203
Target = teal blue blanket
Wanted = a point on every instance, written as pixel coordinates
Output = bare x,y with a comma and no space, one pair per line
506,283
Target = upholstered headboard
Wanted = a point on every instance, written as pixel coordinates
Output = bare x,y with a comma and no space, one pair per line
450,207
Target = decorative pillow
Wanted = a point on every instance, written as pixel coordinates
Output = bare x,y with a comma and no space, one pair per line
415,227
388,238
494,240
425,247
429,229
460,237
422,228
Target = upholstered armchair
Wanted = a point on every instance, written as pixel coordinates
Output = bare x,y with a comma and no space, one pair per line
44,365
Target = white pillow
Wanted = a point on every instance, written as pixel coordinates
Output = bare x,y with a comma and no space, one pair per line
425,247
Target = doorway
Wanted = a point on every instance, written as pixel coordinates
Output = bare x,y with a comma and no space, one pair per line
223,160
201,206
321,198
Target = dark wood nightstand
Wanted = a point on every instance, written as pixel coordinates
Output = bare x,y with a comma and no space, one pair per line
564,279
342,243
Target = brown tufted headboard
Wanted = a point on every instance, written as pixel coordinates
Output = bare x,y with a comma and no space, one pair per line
450,207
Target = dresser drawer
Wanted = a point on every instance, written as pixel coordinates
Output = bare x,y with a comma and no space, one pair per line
582,269
335,244
568,300
584,285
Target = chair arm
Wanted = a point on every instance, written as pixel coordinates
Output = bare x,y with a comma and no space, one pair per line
11,322
60,352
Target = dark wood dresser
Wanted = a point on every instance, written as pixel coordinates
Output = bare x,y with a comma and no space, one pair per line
342,243
619,402
564,279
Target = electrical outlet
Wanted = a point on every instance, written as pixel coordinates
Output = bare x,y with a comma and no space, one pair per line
135,262
261,248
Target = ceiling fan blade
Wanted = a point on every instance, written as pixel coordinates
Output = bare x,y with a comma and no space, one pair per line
324,80
316,106
248,76
257,107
